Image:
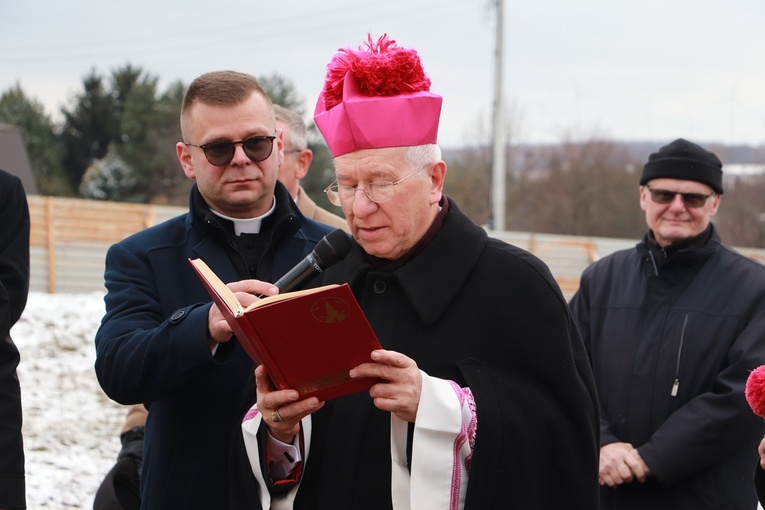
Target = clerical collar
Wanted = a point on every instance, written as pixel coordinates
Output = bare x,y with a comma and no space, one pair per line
247,225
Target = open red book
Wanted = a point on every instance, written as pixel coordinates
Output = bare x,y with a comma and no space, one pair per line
307,340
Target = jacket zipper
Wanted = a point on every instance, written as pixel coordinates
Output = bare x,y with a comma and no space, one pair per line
676,384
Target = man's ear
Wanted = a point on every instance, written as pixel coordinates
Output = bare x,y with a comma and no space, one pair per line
279,147
716,204
643,197
437,174
183,152
304,158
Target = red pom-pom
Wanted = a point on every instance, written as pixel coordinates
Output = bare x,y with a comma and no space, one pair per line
755,391
382,69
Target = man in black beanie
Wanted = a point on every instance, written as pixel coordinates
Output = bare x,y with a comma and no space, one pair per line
673,327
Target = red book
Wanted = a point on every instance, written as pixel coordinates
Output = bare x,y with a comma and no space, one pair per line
307,340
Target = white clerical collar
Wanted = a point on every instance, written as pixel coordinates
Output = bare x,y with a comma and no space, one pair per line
247,225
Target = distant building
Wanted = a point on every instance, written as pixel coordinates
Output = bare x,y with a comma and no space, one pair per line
744,169
14,158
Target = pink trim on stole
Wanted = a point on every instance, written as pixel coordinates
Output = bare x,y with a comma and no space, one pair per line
467,434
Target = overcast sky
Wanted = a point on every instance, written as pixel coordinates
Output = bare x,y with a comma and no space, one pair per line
652,70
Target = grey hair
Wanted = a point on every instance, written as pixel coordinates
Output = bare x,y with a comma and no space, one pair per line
298,131
420,156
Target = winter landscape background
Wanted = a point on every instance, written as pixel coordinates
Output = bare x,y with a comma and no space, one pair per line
70,426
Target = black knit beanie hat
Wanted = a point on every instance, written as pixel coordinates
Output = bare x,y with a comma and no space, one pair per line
682,159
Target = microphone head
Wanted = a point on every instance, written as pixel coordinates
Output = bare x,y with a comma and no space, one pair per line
755,391
332,248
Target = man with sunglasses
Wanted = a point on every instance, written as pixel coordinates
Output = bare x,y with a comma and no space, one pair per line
161,341
673,327
485,398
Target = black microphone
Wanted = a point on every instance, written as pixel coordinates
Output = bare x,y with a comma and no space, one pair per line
329,251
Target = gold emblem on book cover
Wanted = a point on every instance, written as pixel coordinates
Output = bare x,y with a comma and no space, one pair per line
330,309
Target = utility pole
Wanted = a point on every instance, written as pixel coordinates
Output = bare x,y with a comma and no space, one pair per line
498,128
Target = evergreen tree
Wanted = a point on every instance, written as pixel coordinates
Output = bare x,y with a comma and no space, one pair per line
109,178
138,118
282,91
89,128
166,182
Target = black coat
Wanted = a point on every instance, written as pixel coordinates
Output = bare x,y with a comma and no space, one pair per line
696,324
14,288
152,345
759,482
14,243
490,317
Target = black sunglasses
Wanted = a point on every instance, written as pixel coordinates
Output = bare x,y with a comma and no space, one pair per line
663,196
257,148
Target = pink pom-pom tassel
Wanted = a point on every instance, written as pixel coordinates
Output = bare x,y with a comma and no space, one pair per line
755,391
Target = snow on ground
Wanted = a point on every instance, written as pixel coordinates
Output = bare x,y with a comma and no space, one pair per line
70,426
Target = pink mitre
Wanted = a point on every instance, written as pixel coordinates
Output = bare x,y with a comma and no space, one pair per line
376,97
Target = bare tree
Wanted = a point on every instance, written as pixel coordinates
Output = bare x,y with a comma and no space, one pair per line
741,217
468,181
578,189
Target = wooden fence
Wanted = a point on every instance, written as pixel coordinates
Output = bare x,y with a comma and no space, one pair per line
70,237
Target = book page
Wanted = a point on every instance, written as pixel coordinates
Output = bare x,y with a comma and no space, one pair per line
217,286
287,295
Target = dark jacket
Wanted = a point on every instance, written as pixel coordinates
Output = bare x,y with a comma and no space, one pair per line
488,316
152,343
759,482
14,243
671,344
14,288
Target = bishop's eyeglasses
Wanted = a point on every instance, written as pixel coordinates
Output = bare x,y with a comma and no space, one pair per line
378,191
